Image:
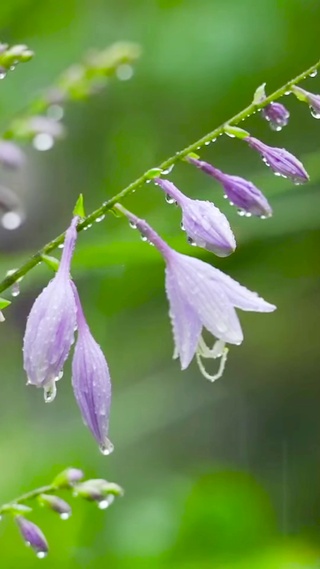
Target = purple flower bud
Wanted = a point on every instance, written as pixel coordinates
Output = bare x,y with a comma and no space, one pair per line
98,490
277,115
68,478
11,155
280,161
91,382
33,536
240,192
310,98
56,504
204,223
51,324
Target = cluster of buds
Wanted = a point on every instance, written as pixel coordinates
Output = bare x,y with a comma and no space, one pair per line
50,332
102,492
11,56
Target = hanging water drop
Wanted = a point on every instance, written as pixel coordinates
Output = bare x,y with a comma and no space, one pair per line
315,113
248,214
106,448
207,142
213,139
3,74
168,170
191,241
50,391
287,92
60,246
313,73
15,289
276,127
106,502
241,212
182,226
132,225
169,199
65,515
144,238
41,554
101,218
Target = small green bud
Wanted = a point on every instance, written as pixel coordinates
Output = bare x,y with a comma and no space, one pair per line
51,262
235,132
153,173
79,207
68,478
4,303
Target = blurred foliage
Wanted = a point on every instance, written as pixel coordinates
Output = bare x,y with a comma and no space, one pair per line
223,475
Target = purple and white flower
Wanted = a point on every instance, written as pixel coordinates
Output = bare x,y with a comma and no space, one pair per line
310,98
51,325
201,297
282,162
240,192
203,222
33,536
275,113
91,382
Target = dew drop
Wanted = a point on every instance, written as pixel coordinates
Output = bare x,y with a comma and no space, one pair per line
11,220
230,134
124,72
241,212
277,174
65,515
144,238
169,199
263,217
106,502
207,142
61,246
168,170
225,196
287,92
182,226
2,74
41,554
276,127
248,214
315,113
231,203
43,141
50,391
15,289
101,218
106,448
132,225
313,73
191,242
12,67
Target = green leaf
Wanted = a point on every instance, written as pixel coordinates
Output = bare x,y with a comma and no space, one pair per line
79,207
259,94
51,262
235,131
153,173
4,303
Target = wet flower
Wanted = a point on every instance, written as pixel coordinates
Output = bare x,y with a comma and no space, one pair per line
280,161
310,98
91,382
275,113
240,192
204,223
56,504
51,324
201,297
33,536
11,155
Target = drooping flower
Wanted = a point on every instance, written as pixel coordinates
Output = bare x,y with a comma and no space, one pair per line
200,296
91,382
240,192
282,162
275,113
204,223
310,98
51,325
56,504
11,155
33,536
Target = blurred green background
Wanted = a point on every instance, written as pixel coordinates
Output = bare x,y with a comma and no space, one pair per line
225,475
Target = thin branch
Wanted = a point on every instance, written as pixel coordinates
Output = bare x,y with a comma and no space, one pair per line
50,488
108,205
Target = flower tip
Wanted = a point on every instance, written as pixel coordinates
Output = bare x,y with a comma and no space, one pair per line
106,447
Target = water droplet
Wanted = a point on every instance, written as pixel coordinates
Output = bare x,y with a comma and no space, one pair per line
132,225
106,502
207,142
198,147
225,196
277,174
288,92
15,289
315,113
65,515
12,67
214,139
43,141
276,127
41,554
2,74
106,448
241,212
55,112
11,220
248,214
313,73
182,226
61,246
144,238
263,217
230,134
231,203
101,218
124,72
191,241
169,199
50,391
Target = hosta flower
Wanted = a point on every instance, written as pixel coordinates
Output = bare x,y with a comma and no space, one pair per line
275,113
204,223
201,297
51,324
280,161
91,382
33,536
310,98
11,155
240,192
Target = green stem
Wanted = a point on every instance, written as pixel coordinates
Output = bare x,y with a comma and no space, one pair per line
108,205
29,496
